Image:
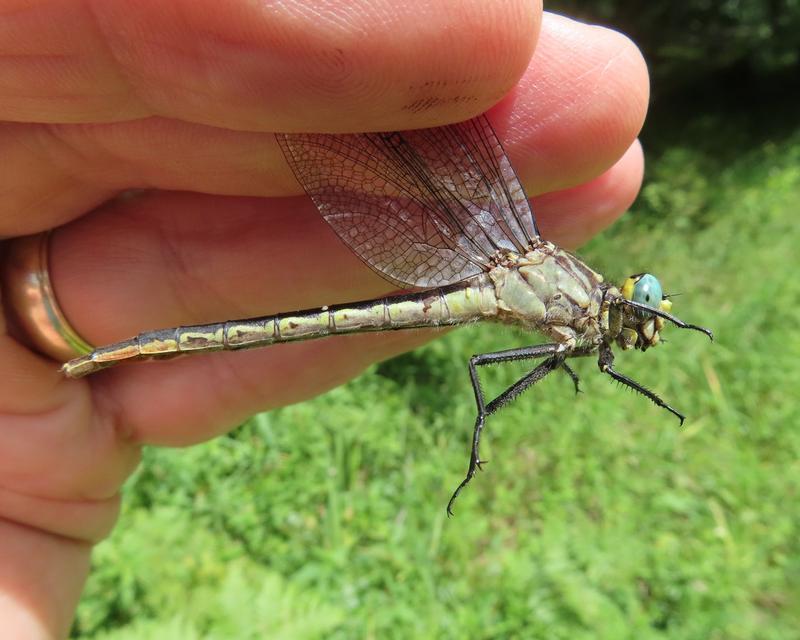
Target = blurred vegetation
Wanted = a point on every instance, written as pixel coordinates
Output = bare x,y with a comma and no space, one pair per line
686,43
597,517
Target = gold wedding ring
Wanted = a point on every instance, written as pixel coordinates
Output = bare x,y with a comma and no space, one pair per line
31,303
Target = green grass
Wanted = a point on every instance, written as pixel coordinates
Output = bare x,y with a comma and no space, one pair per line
598,517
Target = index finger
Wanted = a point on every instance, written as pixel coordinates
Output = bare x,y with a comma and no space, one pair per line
339,65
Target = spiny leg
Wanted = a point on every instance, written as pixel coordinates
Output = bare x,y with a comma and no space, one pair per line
556,359
646,309
497,357
574,376
606,361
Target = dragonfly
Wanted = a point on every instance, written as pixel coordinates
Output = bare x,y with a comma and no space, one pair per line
442,213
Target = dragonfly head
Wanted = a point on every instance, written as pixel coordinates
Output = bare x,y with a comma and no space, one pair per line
640,330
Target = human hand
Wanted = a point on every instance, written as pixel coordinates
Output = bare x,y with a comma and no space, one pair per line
183,99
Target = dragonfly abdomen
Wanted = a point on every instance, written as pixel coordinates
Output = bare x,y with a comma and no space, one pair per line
445,306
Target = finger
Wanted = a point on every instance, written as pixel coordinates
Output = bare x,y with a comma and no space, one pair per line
60,469
255,66
76,517
572,216
41,577
49,446
49,443
191,399
577,108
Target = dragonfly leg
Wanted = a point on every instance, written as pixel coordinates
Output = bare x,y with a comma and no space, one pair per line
667,316
557,355
574,376
606,362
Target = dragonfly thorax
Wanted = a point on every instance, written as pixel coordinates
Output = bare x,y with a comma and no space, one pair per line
551,291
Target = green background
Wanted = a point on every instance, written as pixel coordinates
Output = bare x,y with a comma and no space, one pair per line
597,517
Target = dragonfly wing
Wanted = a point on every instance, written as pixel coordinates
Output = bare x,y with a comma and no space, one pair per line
423,208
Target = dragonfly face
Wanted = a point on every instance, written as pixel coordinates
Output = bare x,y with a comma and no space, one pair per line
641,330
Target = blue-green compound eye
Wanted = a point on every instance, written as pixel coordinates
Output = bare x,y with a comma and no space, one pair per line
648,291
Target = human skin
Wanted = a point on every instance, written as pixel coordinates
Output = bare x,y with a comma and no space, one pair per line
181,99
